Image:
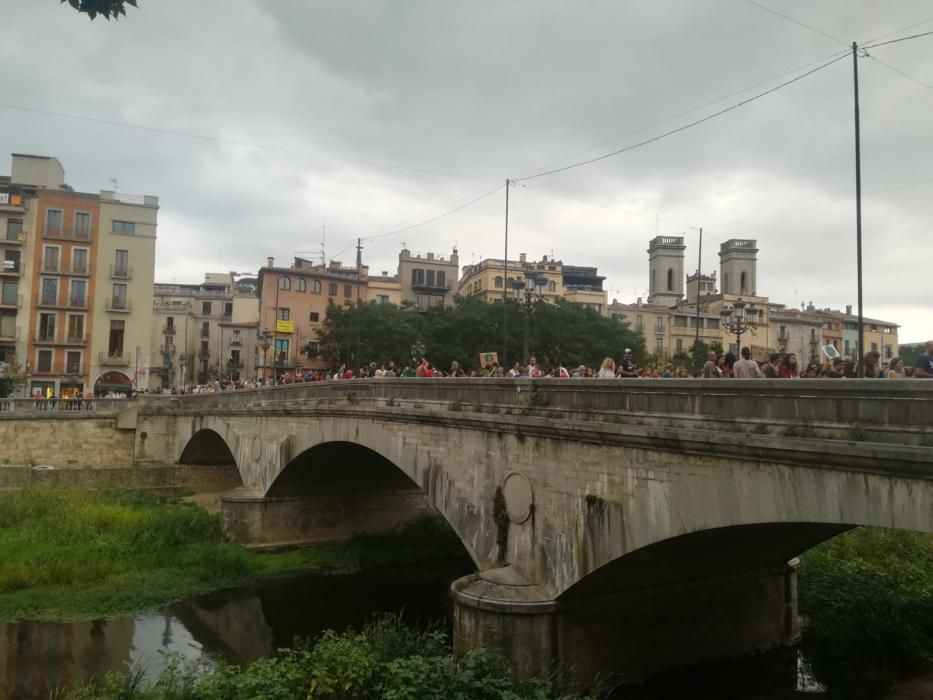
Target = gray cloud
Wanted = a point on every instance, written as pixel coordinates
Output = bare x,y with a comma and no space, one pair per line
494,90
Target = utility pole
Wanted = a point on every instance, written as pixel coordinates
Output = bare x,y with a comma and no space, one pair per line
696,342
505,284
359,268
858,215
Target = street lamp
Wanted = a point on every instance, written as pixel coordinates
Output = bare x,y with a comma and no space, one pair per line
265,343
739,318
417,351
528,294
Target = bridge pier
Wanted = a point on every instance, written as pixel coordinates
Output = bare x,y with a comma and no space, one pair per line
628,636
249,517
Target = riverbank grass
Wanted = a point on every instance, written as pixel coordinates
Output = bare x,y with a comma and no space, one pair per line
69,555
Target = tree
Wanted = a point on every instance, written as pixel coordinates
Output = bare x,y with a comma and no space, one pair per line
104,8
12,377
699,351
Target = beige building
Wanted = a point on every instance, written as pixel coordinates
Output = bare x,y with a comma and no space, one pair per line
384,289
667,330
429,281
123,288
204,332
795,331
17,240
493,279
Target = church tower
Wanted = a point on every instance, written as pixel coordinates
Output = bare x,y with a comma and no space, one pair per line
738,258
666,270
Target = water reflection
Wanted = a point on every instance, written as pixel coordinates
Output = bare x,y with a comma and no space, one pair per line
239,625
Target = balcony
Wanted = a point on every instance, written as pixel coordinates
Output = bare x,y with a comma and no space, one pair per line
77,303
167,350
235,364
121,273
114,360
11,267
119,306
9,334
205,332
204,354
50,267
75,340
45,339
47,300
18,238
236,342
168,330
66,236
443,286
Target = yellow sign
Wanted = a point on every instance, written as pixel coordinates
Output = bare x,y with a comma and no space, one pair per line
284,327
488,359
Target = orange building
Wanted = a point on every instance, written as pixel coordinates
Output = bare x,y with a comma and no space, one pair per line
64,261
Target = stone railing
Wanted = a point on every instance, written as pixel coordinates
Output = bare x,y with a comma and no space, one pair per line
32,408
867,409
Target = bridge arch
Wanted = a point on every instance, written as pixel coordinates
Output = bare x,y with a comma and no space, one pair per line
206,446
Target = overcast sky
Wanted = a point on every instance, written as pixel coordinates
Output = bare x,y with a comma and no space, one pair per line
457,96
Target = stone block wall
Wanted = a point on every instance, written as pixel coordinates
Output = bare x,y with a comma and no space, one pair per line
65,441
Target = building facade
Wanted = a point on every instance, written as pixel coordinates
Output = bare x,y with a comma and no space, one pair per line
667,330
429,281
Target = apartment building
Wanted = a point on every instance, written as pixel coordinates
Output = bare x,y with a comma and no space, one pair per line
293,305
204,332
667,330
384,289
796,331
492,279
429,281
66,278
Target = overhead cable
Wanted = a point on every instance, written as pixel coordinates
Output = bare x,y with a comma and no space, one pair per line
797,22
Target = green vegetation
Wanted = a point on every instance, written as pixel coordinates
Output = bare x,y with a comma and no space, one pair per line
867,597
70,555
562,332
384,660
104,8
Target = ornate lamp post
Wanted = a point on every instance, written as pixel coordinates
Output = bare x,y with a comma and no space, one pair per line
739,318
528,294
265,343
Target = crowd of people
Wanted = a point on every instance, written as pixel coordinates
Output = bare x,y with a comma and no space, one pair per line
717,366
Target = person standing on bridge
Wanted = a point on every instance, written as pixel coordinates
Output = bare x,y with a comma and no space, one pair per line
746,368
924,367
608,369
711,368
626,367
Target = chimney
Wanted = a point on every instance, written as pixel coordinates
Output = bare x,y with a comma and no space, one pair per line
430,256
270,262
639,301
522,258
848,309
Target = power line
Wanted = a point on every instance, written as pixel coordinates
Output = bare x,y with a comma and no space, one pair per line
439,216
902,73
233,142
685,112
895,41
902,29
797,22
686,126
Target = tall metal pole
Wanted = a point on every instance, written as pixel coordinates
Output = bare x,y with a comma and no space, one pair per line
505,284
858,215
696,341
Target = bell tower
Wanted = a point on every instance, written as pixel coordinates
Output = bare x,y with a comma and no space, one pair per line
738,260
666,270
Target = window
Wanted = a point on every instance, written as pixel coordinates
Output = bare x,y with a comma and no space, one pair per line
125,227
313,348
8,325
652,280
315,286
73,362
236,336
498,283
115,341
228,309
332,289
712,324
283,314
743,283
382,298
49,290
847,350
50,259
812,334
121,263
11,261
659,347
79,261
441,278
44,364
119,296
314,317
82,224
301,284
782,332
203,366
170,322
75,327
552,286
46,326
347,291
725,283
430,277
285,283
639,323
10,292
659,324
205,329
14,230
681,321
670,279
53,222
417,276
205,348
206,308
887,352
680,345
428,301
874,347
78,293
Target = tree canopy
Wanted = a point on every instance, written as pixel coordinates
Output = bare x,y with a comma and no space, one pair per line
562,332
104,8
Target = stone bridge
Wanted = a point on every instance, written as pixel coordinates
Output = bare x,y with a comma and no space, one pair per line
619,527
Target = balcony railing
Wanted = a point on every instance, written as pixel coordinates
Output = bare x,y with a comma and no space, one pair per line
167,350
76,340
11,267
235,364
204,354
205,332
79,270
118,305
46,300
114,360
121,273
15,239
236,342
49,267
7,335
9,303
78,302
422,284
46,338
168,330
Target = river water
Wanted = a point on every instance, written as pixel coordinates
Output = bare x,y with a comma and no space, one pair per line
245,624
